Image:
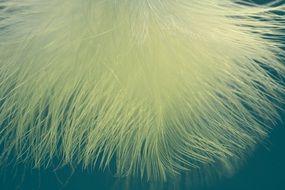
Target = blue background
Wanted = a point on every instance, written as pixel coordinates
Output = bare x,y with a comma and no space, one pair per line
264,170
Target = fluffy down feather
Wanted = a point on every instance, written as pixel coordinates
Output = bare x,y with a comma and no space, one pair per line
161,87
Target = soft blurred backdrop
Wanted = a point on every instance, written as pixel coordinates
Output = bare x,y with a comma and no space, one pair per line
264,170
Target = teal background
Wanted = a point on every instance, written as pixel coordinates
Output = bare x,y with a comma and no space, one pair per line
264,170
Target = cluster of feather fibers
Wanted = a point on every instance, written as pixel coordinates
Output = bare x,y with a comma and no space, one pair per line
159,87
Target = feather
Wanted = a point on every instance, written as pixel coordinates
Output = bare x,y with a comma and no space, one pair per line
161,87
